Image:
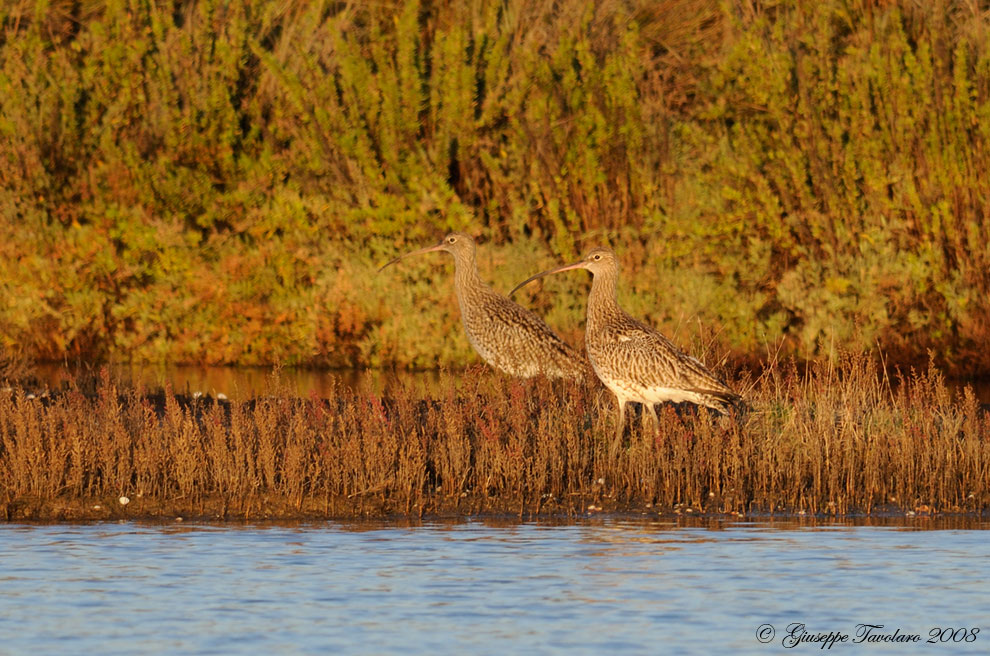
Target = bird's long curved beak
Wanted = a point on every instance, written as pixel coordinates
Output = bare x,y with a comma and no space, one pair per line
566,267
428,249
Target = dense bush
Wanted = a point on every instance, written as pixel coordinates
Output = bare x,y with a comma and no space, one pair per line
216,182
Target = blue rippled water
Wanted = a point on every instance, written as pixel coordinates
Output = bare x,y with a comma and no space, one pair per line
593,587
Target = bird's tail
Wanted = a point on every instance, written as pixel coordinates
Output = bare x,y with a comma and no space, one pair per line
726,404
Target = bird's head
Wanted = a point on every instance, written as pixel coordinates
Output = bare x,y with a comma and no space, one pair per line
599,260
458,244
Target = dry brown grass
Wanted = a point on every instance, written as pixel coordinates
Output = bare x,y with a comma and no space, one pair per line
834,441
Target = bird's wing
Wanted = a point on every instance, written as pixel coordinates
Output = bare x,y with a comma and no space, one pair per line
532,332
653,360
524,321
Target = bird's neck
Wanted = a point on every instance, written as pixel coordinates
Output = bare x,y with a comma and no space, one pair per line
466,277
602,303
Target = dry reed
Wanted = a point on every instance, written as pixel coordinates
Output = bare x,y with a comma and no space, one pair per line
830,440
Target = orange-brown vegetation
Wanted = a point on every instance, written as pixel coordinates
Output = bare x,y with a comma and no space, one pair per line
829,440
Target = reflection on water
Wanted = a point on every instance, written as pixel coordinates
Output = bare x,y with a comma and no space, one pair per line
484,587
240,383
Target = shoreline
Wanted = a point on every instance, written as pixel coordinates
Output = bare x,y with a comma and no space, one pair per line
217,511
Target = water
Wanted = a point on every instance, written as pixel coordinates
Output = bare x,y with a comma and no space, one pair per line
241,383
592,587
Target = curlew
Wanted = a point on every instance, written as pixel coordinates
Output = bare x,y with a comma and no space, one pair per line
506,335
632,359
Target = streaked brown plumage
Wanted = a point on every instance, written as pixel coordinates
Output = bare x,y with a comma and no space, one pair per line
632,359
505,334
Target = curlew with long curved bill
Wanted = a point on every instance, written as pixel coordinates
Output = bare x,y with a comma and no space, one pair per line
632,359
506,335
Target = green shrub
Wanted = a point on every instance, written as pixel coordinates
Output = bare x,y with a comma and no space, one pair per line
188,181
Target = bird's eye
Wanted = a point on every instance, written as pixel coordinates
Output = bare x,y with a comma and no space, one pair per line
451,240
598,257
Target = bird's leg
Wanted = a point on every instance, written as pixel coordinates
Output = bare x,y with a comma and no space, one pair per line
653,413
617,441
